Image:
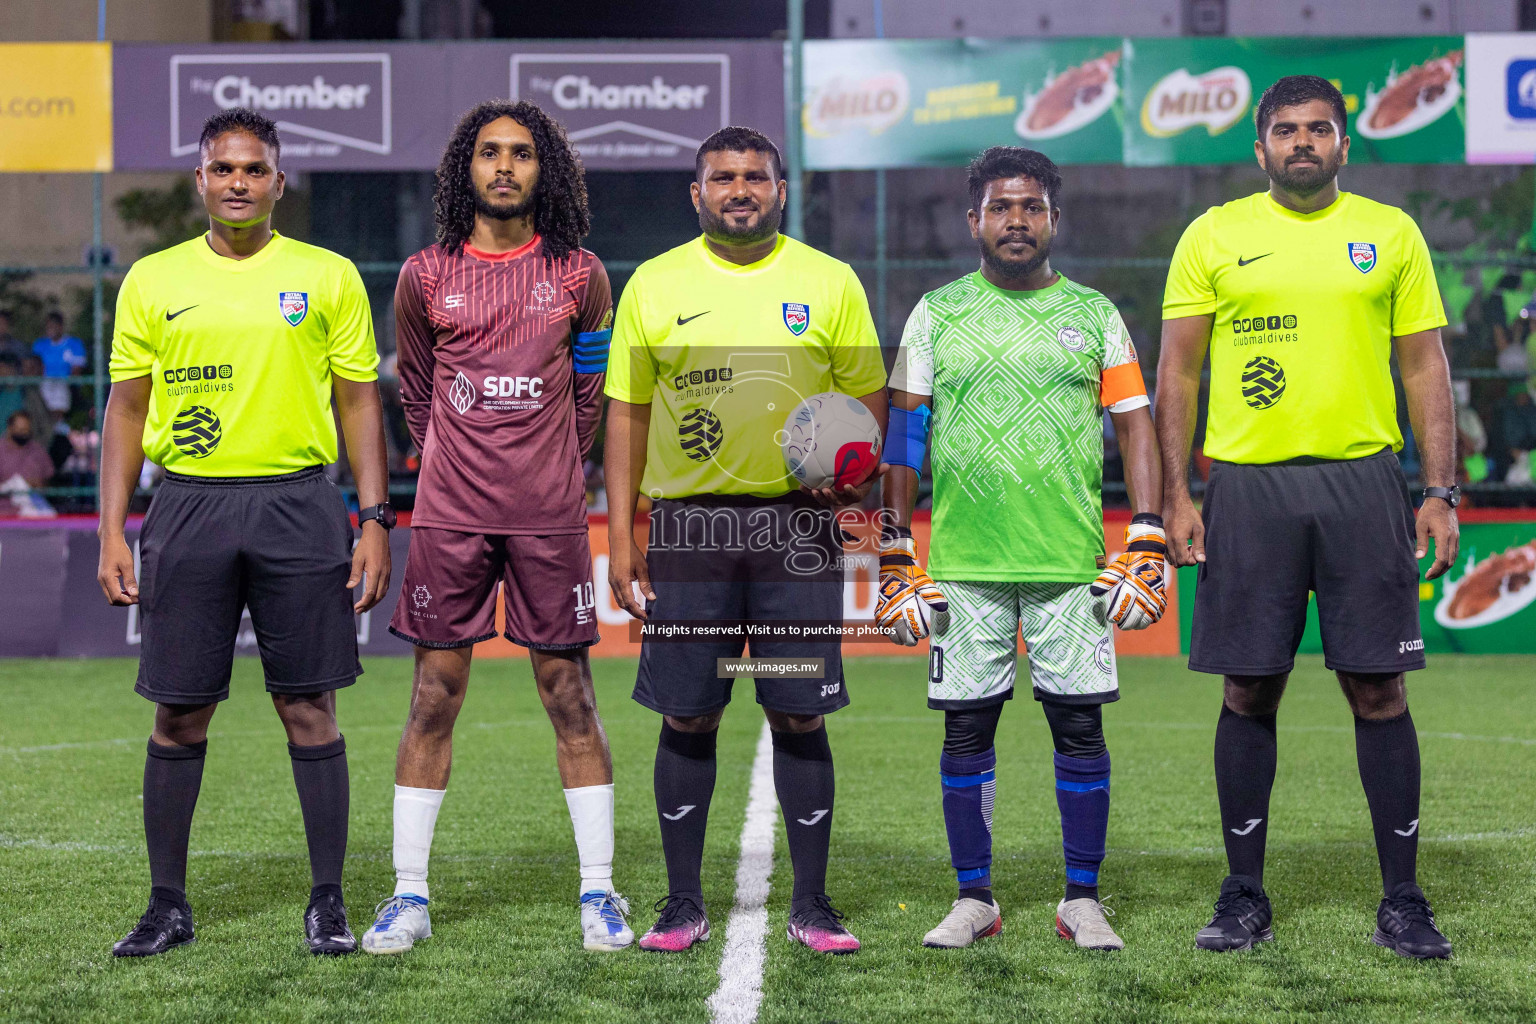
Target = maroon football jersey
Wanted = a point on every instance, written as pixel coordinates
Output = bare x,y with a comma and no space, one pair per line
490,387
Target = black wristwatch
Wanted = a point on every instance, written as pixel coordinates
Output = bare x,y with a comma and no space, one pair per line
1450,495
382,513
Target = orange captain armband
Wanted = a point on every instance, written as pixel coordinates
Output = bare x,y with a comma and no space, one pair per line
1118,383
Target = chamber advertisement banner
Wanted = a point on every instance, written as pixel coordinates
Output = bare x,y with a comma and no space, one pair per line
1191,101
907,103
628,106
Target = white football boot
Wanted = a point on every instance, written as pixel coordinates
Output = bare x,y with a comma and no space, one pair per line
603,925
1083,921
397,923
967,921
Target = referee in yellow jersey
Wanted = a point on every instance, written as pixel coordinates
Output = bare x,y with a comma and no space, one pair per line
714,344
228,353
1300,295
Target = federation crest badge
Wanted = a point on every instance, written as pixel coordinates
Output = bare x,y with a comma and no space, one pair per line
797,317
1363,256
1071,339
294,306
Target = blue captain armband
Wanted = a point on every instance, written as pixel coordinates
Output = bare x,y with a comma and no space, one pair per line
590,352
906,440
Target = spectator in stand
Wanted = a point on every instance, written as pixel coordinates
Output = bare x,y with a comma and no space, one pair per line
21,455
63,355
1471,437
1513,357
11,396
10,345
1517,432
26,397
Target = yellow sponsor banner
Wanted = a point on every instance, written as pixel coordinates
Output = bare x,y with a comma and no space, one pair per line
55,106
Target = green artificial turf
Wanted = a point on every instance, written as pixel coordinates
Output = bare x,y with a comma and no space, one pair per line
504,876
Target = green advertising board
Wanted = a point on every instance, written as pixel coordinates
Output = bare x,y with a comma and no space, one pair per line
913,103
1486,604
1190,101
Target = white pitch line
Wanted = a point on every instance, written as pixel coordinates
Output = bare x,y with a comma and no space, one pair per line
741,966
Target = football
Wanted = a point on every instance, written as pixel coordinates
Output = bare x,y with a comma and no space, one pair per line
830,440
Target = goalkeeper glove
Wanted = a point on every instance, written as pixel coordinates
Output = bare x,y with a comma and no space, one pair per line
910,604
1134,580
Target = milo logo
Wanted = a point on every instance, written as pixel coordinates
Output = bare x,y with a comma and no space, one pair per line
1180,101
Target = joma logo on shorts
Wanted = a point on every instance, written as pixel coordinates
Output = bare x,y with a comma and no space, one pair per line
1404,646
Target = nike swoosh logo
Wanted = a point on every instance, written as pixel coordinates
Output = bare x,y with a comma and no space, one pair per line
1413,826
850,457
813,819
1253,823
1243,263
682,319
681,812
169,316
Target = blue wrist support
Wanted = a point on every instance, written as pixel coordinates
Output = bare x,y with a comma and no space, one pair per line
906,440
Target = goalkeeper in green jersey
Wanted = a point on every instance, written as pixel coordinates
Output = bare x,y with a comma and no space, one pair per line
1014,365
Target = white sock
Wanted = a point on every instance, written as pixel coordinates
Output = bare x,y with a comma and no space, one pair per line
592,819
415,818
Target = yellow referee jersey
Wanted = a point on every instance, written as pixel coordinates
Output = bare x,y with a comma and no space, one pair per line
241,354
722,353
1305,307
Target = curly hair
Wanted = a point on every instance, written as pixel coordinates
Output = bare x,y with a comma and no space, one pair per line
560,198
1012,162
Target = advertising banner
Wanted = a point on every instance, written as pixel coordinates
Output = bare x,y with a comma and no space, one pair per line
55,107
646,106
909,103
1191,101
1483,605
338,107
1501,98
386,107
48,591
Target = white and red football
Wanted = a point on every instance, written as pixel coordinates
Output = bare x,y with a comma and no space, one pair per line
830,440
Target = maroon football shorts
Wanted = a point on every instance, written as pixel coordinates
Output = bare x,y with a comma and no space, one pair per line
448,597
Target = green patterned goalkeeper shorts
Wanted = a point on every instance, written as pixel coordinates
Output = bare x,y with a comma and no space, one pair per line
972,663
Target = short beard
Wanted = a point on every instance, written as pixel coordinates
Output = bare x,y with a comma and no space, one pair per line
1008,270
767,225
1304,182
522,208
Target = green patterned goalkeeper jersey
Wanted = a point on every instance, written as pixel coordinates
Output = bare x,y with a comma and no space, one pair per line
1019,383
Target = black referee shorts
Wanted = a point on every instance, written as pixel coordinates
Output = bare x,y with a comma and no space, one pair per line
1343,530
741,559
214,546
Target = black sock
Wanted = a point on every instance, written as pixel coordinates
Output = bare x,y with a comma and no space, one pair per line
684,783
985,895
320,774
802,778
1245,773
172,777
1388,752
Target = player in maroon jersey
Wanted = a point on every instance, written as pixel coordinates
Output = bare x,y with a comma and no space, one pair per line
503,330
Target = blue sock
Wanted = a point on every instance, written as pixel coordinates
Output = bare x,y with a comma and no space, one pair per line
970,785
1082,794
